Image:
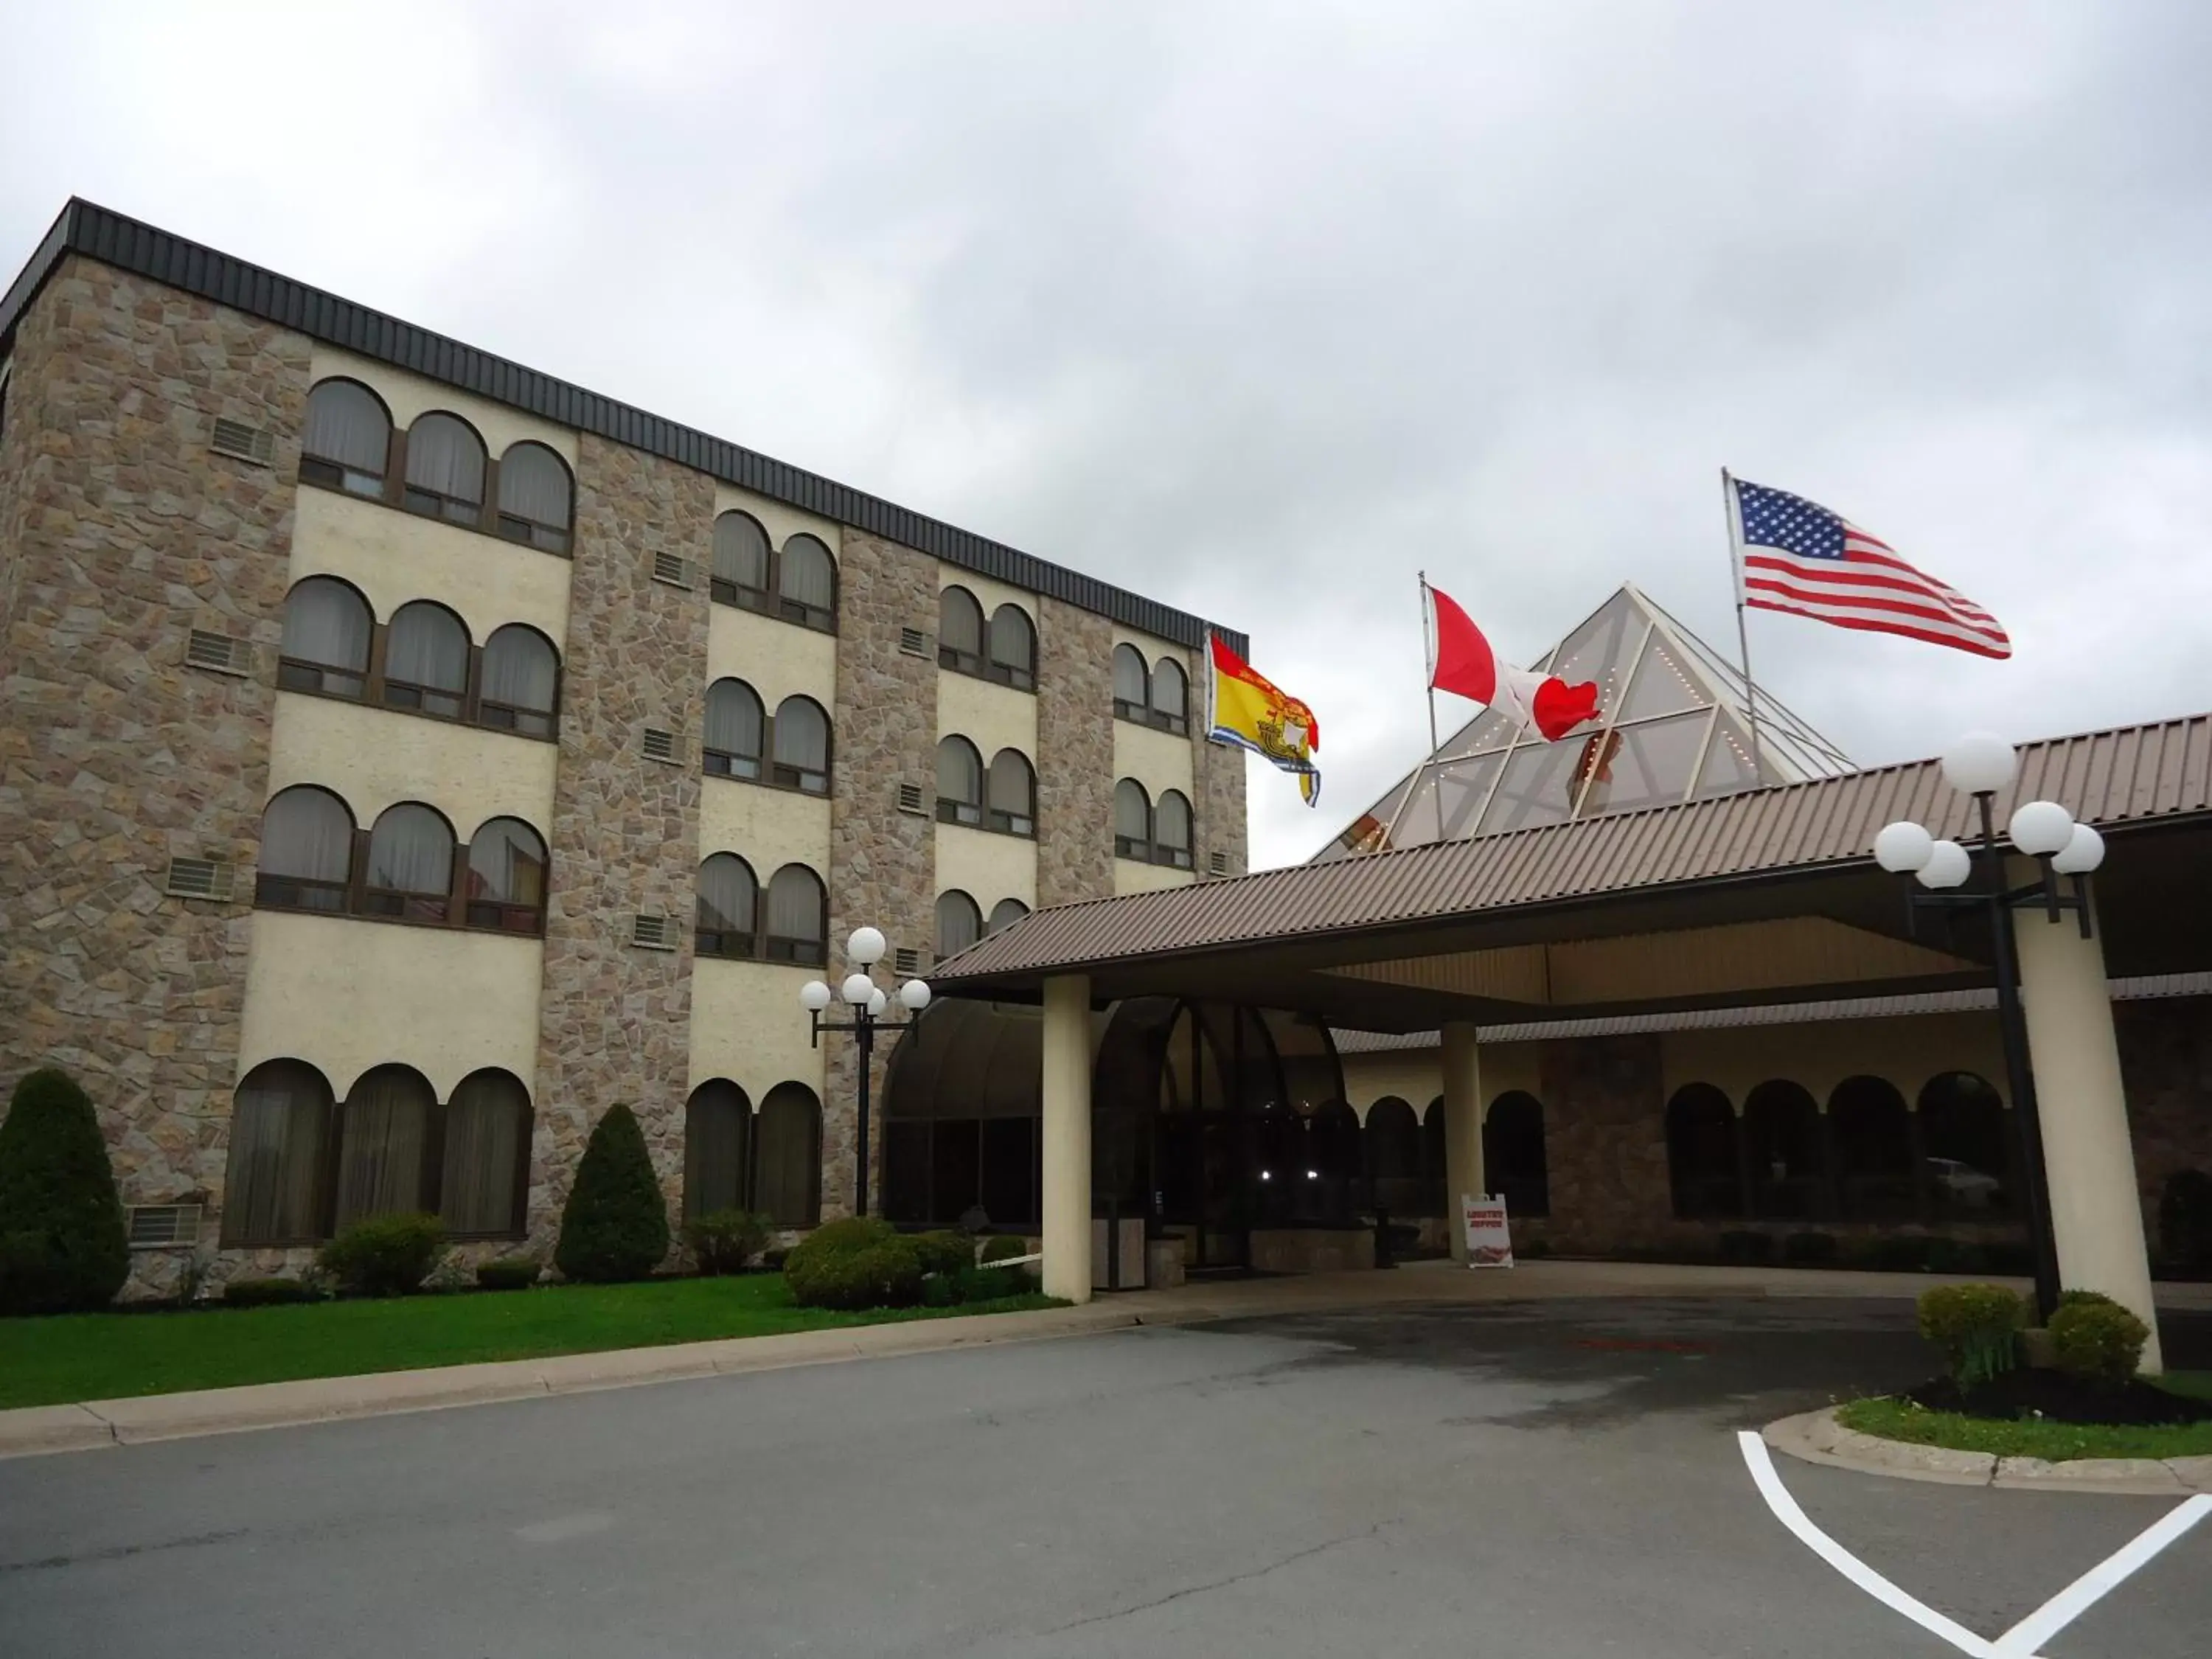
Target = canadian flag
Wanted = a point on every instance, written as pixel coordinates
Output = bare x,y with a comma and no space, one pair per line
1466,665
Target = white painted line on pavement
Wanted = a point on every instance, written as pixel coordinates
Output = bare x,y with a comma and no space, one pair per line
1786,1511
2085,1592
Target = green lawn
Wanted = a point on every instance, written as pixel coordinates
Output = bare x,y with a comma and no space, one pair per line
106,1356
1899,1419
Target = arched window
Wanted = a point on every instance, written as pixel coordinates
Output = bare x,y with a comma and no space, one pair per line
1967,1142
280,1126
327,627
506,878
521,690
798,917
729,908
348,442
802,745
959,782
384,1145
1788,1152
1171,699
1171,829
807,583
536,497
1132,821
732,747
1013,648
959,923
1392,1137
1702,1169
1005,912
1436,1171
1873,1136
717,1123
445,468
486,1171
426,659
1132,685
1334,1162
741,561
959,631
788,1171
1013,793
307,851
1513,1166
410,865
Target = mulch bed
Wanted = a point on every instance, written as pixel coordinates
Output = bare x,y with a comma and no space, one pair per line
2059,1398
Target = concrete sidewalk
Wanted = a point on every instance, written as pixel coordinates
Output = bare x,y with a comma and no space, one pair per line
93,1423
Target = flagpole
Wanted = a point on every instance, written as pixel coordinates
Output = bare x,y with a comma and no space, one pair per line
1743,633
1428,652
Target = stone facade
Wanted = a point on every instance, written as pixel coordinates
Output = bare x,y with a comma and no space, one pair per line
121,531
613,1016
2166,1064
882,860
1605,1140
1075,750
1219,771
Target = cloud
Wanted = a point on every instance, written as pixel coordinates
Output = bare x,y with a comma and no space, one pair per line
1261,315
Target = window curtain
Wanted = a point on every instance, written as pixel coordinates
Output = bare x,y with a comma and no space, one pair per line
306,834
1132,813
802,735
1130,680
325,622
519,669
380,1140
507,863
726,894
533,484
794,904
785,1182
733,718
959,922
410,851
714,1130
959,772
1171,691
1012,644
740,552
443,455
960,621
277,1127
808,575
347,425
1007,912
1173,822
427,646
486,1138
1013,786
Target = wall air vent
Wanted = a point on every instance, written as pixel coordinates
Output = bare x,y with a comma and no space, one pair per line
219,653
909,798
156,1226
671,570
199,878
652,933
661,745
1217,864
907,962
913,642
242,442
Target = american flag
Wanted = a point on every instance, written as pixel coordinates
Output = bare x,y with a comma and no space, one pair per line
1798,556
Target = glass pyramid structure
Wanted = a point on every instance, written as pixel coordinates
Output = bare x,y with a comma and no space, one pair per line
1676,727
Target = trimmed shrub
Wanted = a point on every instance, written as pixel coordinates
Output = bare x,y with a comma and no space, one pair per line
509,1274
1741,1247
2095,1339
1809,1250
945,1253
1976,1327
267,1292
993,1284
615,1224
862,1261
1004,1247
723,1241
63,1244
384,1254
2184,1222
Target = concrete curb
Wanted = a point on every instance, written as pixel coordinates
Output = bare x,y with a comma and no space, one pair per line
1818,1438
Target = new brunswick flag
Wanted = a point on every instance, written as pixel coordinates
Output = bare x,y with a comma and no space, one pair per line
1248,712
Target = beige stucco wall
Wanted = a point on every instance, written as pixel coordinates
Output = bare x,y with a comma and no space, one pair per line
778,660
394,556
345,995
766,828
747,1026
1416,1075
987,867
780,522
989,715
407,395
1131,877
988,594
374,757
1158,760
1907,1051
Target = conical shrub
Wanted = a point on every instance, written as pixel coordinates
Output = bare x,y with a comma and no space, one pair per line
62,1241
615,1226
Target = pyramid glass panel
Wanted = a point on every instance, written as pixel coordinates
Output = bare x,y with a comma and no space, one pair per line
1538,787
1728,768
1603,648
1647,765
1663,684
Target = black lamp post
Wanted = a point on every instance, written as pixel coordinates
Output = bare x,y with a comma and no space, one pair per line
867,1002
1980,765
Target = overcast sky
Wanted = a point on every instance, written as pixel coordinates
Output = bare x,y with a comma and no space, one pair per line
1260,308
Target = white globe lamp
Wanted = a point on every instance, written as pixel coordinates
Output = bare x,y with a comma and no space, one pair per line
2083,852
877,1002
814,996
914,995
2041,828
857,989
865,947
1979,763
1948,866
1903,848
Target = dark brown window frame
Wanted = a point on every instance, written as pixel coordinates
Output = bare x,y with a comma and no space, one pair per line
484,517
1151,849
760,945
1143,713
455,905
770,601
769,773
982,665
292,672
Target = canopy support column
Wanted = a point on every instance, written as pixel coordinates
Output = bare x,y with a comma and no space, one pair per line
1463,1174
1066,1066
